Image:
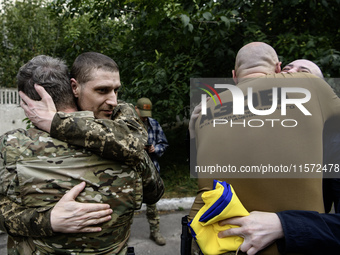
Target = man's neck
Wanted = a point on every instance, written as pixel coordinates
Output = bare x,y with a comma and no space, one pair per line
251,75
69,110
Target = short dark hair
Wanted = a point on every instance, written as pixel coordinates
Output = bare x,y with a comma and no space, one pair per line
86,62
52,74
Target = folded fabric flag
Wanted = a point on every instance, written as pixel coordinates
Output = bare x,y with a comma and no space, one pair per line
220,203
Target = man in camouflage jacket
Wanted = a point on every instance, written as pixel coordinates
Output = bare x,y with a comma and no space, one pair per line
36,171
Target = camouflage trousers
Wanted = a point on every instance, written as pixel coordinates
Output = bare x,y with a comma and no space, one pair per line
153,217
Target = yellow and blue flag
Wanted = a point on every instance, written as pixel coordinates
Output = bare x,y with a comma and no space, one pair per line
220,203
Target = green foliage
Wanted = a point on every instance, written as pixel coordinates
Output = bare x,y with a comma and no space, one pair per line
27,30
28,123
160,44
295,28
172,43
175,165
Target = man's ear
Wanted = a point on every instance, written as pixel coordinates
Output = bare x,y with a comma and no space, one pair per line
234,76
75,87
137,111
278,67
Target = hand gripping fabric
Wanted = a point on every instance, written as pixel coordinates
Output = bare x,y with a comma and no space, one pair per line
220,203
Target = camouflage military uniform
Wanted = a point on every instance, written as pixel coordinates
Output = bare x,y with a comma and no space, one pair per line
36,171
123,138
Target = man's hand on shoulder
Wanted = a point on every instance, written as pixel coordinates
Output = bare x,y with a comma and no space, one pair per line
41,112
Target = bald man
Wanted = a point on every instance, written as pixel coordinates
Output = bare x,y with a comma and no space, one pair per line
244,145
265,61
290,222
331,141
303,65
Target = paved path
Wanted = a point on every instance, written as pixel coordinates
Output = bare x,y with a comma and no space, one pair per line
171,228
3,243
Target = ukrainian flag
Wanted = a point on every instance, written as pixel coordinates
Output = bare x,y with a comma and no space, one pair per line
220,203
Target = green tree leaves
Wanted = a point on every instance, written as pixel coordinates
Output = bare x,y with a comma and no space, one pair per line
160,44
27,30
